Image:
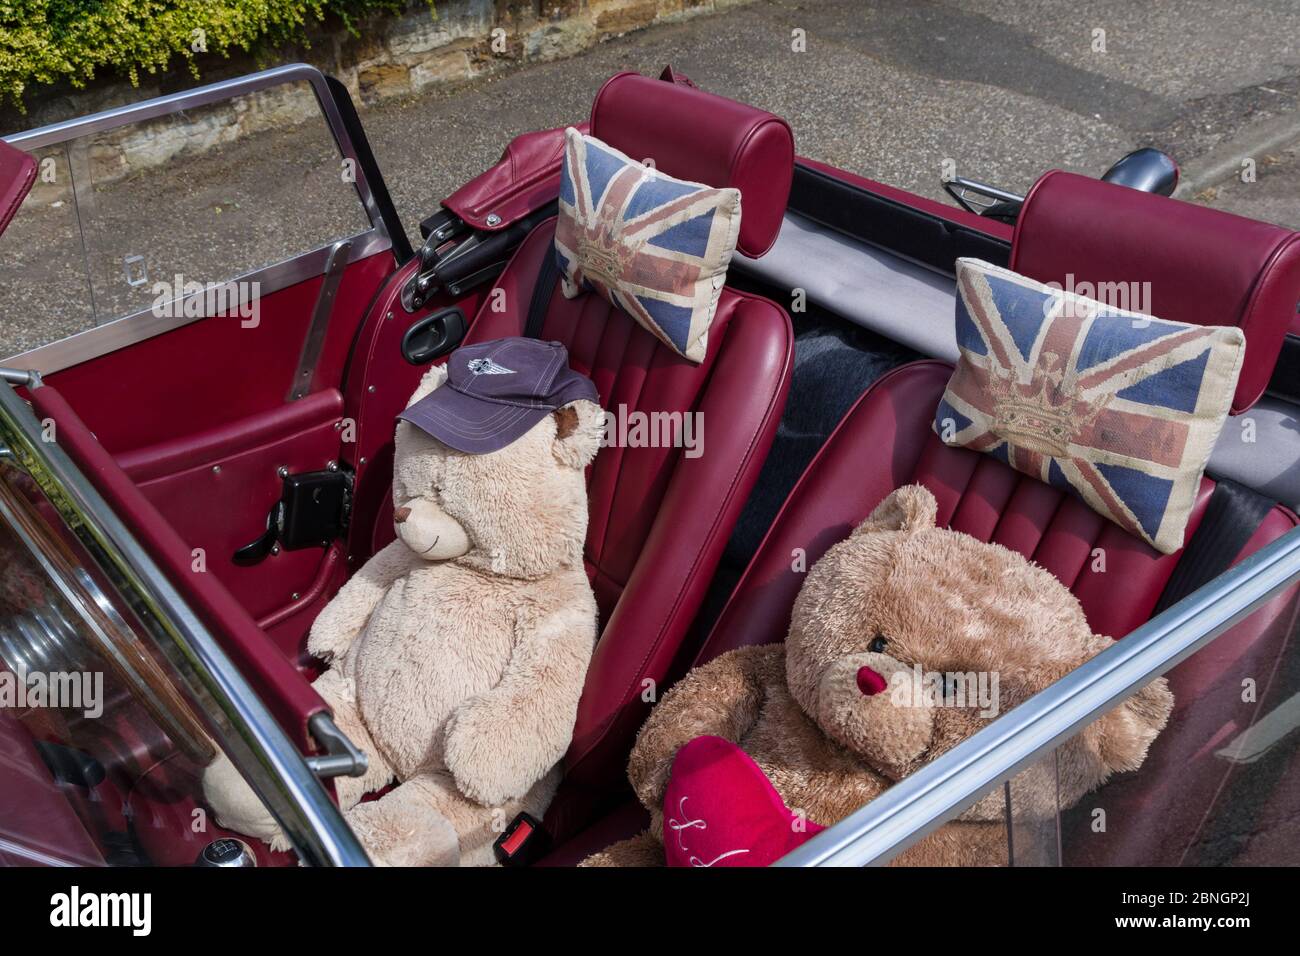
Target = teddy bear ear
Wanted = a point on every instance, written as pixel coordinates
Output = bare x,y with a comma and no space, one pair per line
910,508
579,428
432,379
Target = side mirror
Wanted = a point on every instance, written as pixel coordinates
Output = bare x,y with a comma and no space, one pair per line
1148,170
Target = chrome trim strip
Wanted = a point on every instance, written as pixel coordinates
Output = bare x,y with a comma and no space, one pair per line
242,724
40,859
312,342
992,192
912,808
130,329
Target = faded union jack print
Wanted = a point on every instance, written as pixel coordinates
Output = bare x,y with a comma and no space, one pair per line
655,246
1116,407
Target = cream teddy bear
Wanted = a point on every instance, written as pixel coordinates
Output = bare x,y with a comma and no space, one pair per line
458,652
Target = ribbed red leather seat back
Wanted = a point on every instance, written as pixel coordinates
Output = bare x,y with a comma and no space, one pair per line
660,516
1075,230
740,387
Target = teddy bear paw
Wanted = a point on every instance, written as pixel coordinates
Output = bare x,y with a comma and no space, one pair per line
402,833
237,807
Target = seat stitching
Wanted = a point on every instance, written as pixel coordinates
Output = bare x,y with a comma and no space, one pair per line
1047,527
961,497
600,341
1020,480
623,452
1092,546
603,728
731,485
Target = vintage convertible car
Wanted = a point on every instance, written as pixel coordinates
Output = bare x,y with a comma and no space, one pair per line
161,420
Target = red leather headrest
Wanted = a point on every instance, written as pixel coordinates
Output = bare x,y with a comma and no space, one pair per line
1203,266
704,138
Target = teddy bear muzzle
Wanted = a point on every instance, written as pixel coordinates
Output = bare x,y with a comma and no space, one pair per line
864,705
429,531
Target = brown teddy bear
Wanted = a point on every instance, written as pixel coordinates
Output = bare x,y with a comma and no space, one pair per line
459,650
889,638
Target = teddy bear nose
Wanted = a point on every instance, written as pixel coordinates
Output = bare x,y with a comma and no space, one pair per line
401,514
869,681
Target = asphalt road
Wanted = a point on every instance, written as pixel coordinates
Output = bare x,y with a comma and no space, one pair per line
889,88
1274,195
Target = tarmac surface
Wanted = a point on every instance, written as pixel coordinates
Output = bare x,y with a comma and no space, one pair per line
892,89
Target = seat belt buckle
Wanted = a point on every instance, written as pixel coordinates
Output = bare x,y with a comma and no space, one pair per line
524,842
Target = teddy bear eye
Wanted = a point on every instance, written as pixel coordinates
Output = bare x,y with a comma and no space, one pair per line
879,644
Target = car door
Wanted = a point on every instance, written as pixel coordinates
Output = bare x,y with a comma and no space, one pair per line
191,273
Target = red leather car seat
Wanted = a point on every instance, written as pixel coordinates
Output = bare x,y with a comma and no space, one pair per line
659,520
1205,267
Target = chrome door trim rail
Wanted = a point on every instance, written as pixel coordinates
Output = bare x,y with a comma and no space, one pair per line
145,324
127,330
914,807
240,721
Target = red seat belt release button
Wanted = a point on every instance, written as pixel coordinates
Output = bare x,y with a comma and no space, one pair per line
523,842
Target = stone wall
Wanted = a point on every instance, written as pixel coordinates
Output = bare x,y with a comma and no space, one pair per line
392,57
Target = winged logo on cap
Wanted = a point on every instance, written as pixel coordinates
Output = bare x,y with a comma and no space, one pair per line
485,366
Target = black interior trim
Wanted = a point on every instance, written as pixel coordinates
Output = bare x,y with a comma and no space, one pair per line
1232,516
889,224
484,249
1285,381
548,277
402,250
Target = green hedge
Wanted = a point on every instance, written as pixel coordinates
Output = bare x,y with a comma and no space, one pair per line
45,41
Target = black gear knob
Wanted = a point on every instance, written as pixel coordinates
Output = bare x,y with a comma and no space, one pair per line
227,852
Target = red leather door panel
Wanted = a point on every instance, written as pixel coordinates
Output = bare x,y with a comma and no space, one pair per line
214,373
220,503
198,418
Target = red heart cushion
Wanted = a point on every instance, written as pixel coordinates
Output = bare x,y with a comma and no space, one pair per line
721,810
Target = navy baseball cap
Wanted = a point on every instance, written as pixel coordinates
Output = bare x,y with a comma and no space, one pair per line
496,391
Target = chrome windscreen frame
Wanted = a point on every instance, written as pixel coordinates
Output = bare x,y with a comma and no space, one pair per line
905,813
385,232
239,721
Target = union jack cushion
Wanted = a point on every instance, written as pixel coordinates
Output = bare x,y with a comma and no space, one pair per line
655,246
1116,407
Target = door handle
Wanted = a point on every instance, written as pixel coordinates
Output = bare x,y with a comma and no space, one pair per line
313,510
254,552
433,336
